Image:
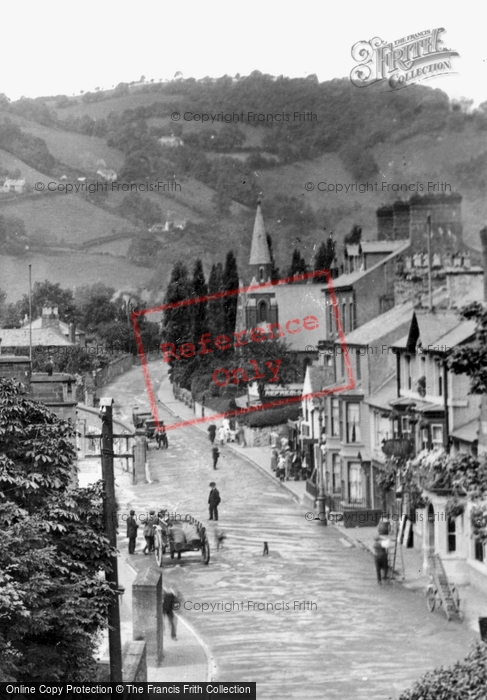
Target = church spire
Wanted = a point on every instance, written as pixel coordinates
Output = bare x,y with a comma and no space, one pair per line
260,257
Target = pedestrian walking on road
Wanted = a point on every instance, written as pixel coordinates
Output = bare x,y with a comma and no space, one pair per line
216,453
380,556
132,528
212,432
169,604
149,533
214,501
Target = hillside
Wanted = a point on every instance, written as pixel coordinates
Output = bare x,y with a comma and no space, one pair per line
411,136
75,150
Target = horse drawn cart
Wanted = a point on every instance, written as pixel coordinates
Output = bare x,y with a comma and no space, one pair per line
175,534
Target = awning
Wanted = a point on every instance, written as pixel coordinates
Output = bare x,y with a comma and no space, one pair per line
468,432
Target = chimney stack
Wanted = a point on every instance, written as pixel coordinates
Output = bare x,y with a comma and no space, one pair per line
50,317
483,238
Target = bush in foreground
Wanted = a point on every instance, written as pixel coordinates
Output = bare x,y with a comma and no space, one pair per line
465,679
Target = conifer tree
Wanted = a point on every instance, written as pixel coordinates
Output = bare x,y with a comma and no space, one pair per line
230,303
177,325
275,274
324,258
216,315
298,264
200,289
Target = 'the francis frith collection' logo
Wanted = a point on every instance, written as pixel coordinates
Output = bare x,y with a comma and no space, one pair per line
402,63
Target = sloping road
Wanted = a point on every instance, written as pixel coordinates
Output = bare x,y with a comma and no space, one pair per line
309,620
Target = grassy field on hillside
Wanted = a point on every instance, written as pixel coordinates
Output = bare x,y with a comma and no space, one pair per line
66,218
69,271
99,110
31,175
76,150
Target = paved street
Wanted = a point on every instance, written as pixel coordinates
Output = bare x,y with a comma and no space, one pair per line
348,638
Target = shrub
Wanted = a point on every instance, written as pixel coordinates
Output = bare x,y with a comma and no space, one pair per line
271,416
465,679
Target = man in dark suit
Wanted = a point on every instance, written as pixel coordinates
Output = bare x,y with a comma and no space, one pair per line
214,501
132,528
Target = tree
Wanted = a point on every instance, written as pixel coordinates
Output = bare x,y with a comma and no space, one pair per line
354,237
324,258
275,274
216,314
230,303
200,290
471,358
47,294
177,324
53,601
465,679
298,264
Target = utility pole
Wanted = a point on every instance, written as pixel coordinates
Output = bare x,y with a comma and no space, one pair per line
110,509
430,284
321,500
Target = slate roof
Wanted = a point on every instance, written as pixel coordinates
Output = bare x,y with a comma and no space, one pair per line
436,329
299,301
20,338
259,252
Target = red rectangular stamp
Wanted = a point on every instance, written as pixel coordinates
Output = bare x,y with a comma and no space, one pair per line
279,326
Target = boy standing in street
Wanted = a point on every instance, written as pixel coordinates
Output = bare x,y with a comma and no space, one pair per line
214,501
216,453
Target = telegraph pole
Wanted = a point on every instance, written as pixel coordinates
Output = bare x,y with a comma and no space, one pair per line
430,285
110,508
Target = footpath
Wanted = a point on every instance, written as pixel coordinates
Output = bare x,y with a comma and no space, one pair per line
409,562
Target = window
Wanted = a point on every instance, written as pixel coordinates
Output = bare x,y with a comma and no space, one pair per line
261,274
405,427
358,374
262,311
343,364
330,317
479,550
440,380
344,317
353,422
425,440
336,474
408,372
355,482
437,436
452,535
335,417
352,316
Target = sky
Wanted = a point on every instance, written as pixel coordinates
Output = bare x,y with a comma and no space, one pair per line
53,47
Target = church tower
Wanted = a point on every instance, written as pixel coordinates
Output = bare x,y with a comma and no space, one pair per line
260,306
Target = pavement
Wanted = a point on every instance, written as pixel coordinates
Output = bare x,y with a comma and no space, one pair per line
189,658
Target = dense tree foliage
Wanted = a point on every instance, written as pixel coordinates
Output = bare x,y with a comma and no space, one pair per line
199,291
30,149
48,294
53,602
471,358
230,284
324,257
298,264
